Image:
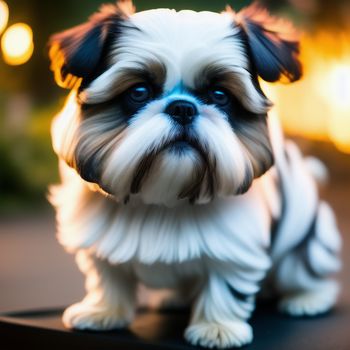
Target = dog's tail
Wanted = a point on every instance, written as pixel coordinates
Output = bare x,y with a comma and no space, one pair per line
317,169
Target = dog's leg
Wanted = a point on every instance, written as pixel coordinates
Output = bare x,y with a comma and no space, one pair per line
110,298
303,277
220,313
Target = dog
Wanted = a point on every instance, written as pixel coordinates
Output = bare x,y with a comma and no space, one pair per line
174,176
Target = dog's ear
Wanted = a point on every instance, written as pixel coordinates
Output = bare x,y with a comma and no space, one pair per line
272,44
77,53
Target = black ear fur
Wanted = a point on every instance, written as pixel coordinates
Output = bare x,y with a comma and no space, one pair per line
79,52
272,43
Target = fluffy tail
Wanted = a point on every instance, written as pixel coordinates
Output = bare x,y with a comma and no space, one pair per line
317,169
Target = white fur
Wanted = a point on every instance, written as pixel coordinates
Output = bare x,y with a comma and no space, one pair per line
311,303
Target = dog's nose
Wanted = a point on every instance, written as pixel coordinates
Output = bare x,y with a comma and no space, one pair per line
183,112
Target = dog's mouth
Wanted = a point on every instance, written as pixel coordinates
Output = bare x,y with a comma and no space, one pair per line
181,143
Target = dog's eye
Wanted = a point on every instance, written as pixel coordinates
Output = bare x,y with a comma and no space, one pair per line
140,93
219,96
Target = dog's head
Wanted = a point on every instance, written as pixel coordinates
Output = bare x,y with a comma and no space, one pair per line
166,105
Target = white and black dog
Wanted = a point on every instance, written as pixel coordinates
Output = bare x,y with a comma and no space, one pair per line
174,177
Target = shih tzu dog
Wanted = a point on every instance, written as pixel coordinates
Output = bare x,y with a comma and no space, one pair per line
173,175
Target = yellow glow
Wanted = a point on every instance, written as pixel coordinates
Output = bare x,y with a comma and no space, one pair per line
4,15
339,131
17,44
339,79
318,106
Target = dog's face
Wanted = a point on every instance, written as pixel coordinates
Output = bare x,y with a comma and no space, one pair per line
167,105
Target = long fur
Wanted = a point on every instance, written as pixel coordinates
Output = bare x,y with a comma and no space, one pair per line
215,209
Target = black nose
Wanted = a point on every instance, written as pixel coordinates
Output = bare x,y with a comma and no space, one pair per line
183,112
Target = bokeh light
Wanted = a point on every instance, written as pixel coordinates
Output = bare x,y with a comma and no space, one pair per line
4,15
339,97
318,106
17,44
339,78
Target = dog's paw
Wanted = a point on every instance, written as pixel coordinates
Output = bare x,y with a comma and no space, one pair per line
219,335
310,303
88,317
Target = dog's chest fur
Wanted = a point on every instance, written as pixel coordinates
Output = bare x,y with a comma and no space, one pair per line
234,230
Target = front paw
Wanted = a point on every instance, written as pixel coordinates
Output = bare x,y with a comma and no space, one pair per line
89,317
219,335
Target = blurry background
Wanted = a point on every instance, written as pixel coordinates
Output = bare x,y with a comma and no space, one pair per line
34,270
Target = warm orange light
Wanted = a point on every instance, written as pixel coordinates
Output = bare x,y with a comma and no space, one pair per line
339,132
4,15
339,101
17,44
318,106
339,89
